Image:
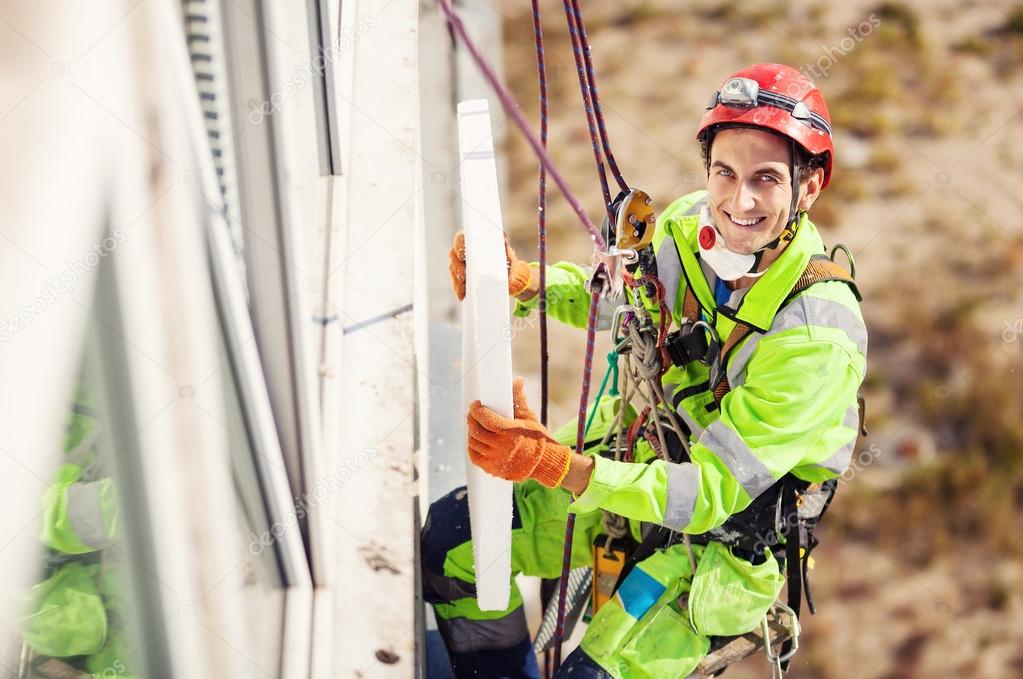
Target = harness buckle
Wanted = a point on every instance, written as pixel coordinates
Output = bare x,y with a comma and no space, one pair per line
687,344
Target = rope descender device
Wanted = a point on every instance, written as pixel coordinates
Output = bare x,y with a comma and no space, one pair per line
634,223
633,231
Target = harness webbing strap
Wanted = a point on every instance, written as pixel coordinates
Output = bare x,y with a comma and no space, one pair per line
793,572
690,305
819,269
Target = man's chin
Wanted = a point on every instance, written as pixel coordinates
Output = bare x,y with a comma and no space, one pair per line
741,248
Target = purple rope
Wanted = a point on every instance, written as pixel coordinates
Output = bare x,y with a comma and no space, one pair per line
541,208
597,130
514,111
580,440
541,228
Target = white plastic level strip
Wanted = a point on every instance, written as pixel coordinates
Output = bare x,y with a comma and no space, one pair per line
486,347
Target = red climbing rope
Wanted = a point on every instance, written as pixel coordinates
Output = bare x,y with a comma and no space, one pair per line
591,80
601,145
541,229
580,441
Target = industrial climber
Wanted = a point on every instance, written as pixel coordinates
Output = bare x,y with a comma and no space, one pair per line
771,413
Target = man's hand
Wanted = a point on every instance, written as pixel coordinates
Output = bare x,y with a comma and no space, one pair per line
523,280
518,448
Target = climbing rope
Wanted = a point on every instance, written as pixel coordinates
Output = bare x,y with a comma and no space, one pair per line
514,112
602,153
580,442
591,104
541,237
642,350
541,209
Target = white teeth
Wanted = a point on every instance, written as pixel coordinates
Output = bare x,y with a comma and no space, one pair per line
745,222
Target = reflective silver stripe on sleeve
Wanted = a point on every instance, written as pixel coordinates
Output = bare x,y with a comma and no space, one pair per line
803,311
85,509
683,486
852,417
839,462
744,465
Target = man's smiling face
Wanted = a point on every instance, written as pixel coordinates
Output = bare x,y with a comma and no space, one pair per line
750,187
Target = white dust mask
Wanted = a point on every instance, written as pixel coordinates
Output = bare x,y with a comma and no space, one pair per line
728,265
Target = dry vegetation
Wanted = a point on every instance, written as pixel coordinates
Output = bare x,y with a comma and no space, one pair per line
921,573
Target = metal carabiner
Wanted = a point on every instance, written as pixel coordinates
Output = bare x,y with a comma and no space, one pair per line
616,325
794,631
778,532
848,256
713,347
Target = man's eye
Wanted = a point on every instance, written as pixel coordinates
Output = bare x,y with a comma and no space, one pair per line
770,178
724,173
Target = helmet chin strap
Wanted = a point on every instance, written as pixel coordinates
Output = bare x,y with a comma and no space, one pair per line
789,232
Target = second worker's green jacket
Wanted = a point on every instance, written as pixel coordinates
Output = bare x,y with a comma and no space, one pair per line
792,407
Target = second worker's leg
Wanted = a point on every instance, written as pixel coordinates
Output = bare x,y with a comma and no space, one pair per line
480,643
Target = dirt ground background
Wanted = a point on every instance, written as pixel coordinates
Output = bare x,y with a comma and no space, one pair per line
920,573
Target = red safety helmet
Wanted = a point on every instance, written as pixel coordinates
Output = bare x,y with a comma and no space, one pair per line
775,97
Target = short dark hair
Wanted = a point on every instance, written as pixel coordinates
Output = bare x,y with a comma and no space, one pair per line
806,162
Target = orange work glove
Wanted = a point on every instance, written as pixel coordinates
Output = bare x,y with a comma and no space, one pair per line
519,273
516,449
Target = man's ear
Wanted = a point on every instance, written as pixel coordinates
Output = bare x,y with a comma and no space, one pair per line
811,189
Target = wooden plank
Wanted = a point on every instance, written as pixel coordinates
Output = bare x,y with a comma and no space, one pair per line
743,646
